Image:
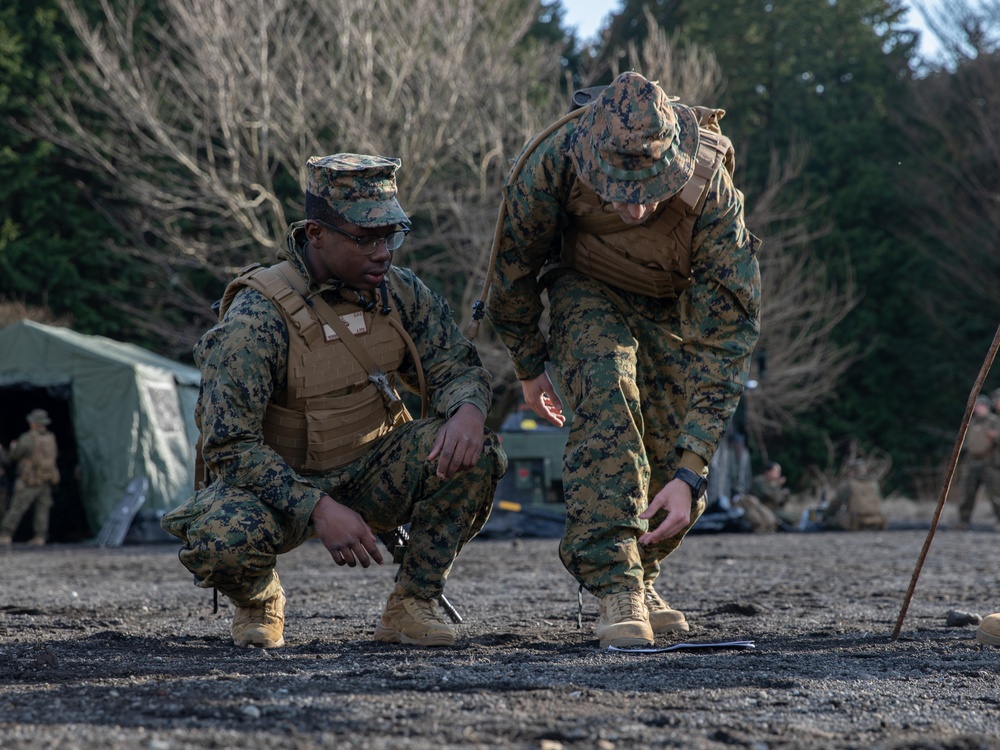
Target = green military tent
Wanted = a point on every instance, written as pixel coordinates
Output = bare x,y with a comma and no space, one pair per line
119,412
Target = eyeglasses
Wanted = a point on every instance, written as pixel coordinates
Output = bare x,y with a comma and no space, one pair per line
370,242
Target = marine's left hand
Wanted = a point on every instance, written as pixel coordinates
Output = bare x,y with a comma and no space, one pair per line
459,443
675,499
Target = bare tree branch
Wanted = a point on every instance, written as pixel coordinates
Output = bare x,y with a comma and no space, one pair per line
205,132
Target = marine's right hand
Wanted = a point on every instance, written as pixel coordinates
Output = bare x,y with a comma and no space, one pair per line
543,400
345,534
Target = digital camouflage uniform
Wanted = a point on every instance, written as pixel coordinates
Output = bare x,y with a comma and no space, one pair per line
979,461
258,507
35,454
652,382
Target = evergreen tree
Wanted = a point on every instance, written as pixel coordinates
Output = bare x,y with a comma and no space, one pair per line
53,240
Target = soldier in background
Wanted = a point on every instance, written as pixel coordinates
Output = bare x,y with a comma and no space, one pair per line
35,453
989,628
769,487
857,502
4,480
979,462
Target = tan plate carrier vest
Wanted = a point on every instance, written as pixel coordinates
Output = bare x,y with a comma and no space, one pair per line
978,441
863,509
39,466
653,258
331,411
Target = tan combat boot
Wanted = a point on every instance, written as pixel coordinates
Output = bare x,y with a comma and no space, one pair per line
989,630
6,540
418,622
37,541
663,619
261,626
624,621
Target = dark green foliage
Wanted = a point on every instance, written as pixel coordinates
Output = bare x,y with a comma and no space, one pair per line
53,241
834,75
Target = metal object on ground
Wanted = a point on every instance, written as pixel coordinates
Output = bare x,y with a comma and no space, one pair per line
116,527
395,542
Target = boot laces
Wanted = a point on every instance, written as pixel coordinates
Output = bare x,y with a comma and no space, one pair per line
428,610
627,606
654,602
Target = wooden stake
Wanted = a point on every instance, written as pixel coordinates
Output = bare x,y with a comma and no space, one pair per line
949,475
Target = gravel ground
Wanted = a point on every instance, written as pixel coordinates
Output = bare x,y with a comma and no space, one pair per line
116,649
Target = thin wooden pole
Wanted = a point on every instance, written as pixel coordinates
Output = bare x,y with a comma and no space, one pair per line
952,463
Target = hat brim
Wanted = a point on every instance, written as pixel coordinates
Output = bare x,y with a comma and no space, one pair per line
370,214
661,186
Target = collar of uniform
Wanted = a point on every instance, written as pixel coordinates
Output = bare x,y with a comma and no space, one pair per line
294,253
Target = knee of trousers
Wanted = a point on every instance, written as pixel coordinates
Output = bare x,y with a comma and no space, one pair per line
229,539
478,483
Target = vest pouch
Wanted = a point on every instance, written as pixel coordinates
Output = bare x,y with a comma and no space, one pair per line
978,443
30,474
343,428
619,269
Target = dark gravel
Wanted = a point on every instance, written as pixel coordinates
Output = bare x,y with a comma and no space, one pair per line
116,649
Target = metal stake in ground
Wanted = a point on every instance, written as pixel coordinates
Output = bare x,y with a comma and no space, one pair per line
949,475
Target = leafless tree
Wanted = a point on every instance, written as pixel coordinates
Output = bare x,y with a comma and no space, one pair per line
204,119
203,114
12,311
955,132
965,29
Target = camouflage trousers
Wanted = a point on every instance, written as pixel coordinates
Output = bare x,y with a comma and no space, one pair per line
22,499
979,472
624,379
232,539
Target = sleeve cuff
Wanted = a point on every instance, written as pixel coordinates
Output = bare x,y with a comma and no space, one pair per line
691,460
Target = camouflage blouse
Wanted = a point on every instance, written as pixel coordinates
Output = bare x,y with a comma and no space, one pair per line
243,364
718,317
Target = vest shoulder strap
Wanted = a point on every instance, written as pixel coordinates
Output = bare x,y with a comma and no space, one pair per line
276,283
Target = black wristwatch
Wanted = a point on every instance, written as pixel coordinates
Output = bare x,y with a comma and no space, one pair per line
697,482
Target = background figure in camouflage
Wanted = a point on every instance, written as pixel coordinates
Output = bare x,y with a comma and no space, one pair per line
35,453
627,218
979,462
989,629
276,385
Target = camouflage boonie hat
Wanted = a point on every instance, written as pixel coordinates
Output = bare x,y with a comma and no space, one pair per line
360,188
983,401
634,145
38,416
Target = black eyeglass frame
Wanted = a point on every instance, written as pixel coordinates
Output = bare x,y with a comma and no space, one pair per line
370,241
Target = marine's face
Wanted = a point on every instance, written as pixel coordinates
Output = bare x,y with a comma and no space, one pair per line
341,255
634,213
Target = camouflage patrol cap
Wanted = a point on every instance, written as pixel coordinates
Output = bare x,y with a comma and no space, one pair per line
635,145
983,401
358,187
38,416
995,395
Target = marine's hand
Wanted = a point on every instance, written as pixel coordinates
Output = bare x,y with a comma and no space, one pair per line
345,534
675,499
541,397
459,443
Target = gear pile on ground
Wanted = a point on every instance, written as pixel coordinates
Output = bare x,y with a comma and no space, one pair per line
115,649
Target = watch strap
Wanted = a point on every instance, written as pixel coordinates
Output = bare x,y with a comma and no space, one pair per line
697,482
